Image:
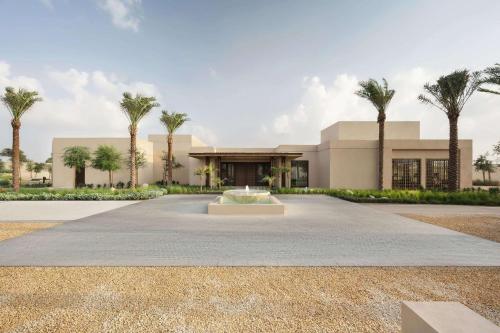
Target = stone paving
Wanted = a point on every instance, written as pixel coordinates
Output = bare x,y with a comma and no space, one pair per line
316,231
55,210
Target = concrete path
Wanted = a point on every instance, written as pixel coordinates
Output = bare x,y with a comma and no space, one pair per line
55,210
436,210
317,231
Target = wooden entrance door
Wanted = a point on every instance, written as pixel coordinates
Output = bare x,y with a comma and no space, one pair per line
244,174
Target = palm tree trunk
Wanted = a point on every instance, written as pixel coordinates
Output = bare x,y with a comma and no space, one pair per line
133,150
170,142
381,136
16,183
453,158
110,176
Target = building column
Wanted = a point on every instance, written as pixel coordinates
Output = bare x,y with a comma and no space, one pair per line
207,177
288,175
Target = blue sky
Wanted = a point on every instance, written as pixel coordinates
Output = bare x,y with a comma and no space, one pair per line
249,73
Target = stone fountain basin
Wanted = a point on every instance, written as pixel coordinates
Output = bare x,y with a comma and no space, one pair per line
246,196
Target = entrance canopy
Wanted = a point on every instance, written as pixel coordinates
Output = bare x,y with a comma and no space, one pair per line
247,166
247,154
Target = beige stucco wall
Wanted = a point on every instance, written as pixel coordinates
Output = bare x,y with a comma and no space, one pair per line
64,176
427,149
368,130
334,163
182,145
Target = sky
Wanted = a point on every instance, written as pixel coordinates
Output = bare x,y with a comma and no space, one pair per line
248,73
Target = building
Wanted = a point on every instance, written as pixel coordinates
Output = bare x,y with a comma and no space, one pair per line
346,157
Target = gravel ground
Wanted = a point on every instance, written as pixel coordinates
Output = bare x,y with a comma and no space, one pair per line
483,226
14,229
189,299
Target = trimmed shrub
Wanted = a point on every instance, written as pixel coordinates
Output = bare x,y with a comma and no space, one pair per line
81,194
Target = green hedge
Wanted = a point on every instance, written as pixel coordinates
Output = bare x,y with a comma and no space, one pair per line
466,197
82,194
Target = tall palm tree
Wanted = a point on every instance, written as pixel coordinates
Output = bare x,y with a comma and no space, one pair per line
172,122
380,96
135,108
492,77
18,102
449,94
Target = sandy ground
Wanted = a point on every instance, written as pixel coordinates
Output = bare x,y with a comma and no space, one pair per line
483,226
14,229
126,299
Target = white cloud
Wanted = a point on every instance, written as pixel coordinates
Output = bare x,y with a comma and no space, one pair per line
47,3
321,105
203,133
125,14
89,108
213,73
6,79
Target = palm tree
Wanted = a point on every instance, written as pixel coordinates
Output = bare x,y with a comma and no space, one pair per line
380,96
204,171
107,158
135,108
481,164
449,94
201,172
269,180
172,122
18,103
140,161
492,77
166,164
76,157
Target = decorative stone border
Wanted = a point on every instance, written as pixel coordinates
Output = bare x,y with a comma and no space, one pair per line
274,208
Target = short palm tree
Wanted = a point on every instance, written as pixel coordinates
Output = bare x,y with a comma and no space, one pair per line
18,102
172,122
269,180
380,96
76,157
492,78
201,172
135,108
449,94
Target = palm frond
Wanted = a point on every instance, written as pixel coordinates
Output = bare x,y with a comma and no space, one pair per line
172,121
20,101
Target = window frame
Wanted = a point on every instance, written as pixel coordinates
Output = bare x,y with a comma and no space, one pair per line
407,185
296,162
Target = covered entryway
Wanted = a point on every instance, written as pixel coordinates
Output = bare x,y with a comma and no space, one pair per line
245,173
247,167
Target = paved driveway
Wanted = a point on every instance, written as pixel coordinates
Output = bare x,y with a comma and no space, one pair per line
55,210
317,231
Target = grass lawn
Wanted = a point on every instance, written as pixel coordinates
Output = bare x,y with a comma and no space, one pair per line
185,299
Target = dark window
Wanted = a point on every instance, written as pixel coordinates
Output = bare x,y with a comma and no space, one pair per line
227,173
300,173
437,175
405,174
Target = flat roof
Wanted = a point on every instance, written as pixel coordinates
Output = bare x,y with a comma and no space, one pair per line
246,154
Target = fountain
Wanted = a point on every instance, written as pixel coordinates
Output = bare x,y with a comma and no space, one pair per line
246,202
